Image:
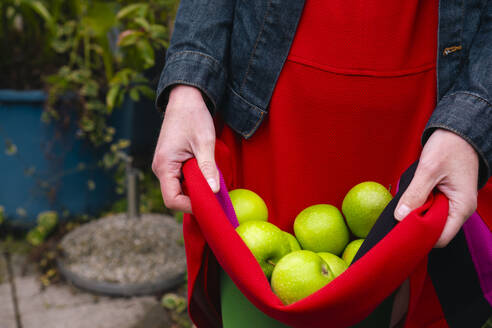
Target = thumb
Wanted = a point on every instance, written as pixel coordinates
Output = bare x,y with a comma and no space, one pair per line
206,162
416,194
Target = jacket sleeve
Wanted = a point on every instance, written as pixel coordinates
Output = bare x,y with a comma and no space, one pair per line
466,108
198,50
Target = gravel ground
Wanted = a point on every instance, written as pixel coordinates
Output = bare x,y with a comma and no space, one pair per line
116,249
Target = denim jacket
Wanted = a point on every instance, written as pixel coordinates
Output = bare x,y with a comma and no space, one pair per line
233,51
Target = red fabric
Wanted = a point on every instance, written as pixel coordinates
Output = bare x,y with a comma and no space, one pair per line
347,300
349,106
428,311
424,309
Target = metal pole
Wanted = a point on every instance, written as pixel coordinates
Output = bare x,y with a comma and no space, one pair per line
132,193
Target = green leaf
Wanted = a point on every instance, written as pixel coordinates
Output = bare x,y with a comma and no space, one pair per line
174,302
123,77
158,31
123,143
128,38
112,95
134,95
35,237
79,76
45,117
21,212
133,10
119,100
100,17
108,138
97,49
107,56
142,22
2,214
146,53
10,148
109,160
48,220
41,10
90,88
140,79
91,185
162,43
110,130
95,105
87,124
146,91
61,46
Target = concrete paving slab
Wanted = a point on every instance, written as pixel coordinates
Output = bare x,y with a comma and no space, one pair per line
3,268
62,306
7,314
107,314
33,297
21,266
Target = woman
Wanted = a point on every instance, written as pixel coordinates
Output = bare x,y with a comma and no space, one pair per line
319,96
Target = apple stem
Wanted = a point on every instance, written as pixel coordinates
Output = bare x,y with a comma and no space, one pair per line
270,262
325,270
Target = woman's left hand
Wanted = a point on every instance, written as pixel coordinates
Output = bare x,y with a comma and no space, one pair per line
449,163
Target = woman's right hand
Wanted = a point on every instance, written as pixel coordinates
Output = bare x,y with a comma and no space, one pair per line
187,131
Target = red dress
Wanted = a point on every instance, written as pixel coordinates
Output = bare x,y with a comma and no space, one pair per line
350,105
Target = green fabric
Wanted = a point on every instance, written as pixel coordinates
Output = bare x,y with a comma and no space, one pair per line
488,323
239,312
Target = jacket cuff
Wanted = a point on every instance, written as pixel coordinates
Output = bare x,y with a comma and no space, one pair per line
469,116
195,69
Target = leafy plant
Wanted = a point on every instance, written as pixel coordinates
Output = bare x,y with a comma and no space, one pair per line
105,66
2,214
90,56
47,222
25,29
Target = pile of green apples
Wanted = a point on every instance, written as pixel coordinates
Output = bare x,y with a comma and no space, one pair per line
321,249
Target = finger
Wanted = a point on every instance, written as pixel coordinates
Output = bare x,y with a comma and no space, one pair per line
206,162
450,230
172,193
417,192
173,196
459,212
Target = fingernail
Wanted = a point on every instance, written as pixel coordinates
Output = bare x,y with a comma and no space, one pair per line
402,211
212,184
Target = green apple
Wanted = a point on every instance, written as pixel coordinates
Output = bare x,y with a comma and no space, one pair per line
362,206
321,228
267,243
336,264
248,205
351,249
294,244
299,274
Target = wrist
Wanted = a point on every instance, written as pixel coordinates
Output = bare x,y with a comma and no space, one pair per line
186,98
182,92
